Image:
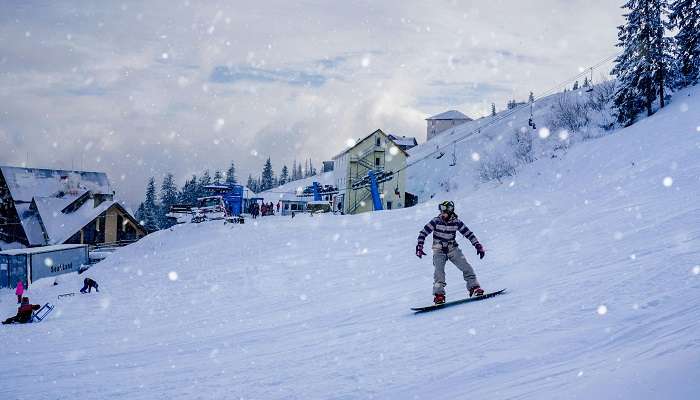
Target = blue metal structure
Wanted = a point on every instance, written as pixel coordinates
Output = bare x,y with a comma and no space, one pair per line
234,200
374,188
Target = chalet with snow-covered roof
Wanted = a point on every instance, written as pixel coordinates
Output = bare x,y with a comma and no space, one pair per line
40,207
444,121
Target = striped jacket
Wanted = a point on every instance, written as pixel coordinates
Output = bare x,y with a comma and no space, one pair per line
444,233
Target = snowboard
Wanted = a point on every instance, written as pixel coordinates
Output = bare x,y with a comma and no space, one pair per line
455,302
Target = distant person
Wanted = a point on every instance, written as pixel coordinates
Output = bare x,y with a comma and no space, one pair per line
278,207
24,313
88,284
19,291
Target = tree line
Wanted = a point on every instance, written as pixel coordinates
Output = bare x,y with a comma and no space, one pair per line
156,205
652,62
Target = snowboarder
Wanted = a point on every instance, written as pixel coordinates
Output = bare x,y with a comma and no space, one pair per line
88,284
444,228
19,291
24,313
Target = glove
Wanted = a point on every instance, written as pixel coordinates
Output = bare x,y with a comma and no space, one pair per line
480,250
419,251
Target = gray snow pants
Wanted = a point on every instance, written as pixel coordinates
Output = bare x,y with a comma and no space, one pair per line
455,255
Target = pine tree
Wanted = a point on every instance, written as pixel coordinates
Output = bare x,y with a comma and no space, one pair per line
231,175
218,178
284,175
205,180
267,179
188,194
575,86
168,197
585,82
685,17
252,185
493,109
141,214
150,208
642,68
531,98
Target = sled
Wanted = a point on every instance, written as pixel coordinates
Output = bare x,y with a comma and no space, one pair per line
41,313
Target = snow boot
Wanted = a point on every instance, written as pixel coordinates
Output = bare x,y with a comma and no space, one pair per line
476,291
439,299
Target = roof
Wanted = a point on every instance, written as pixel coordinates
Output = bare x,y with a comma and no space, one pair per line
367,137
26,183
61,226
42,249
404,140
449,115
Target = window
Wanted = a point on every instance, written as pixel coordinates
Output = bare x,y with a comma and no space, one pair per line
388,205
379,142
377,161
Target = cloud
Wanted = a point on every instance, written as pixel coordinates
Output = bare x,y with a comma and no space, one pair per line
160,86
224,74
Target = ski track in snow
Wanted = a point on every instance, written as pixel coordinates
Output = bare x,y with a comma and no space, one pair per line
318,307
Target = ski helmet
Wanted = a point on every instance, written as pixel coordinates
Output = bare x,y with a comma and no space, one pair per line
447,206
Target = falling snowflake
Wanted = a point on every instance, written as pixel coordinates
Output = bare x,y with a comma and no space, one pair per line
48,261
475,156
602,309
668,181
543,133
696,270
172,275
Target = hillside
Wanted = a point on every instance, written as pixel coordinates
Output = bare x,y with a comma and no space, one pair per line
598,248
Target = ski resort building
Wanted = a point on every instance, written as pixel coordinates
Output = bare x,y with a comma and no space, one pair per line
375,152
40,207
404,142
444,121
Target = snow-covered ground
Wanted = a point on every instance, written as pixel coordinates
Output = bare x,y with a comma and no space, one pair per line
599,250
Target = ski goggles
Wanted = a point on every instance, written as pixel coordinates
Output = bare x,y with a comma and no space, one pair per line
447,206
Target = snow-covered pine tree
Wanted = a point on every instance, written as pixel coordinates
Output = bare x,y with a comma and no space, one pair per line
284,175
685,17
140,214
267,179
575,86
300,173
231,174
586,83
150,208
642,68
168,197
493,109
203,181
252,185
218,178
188,194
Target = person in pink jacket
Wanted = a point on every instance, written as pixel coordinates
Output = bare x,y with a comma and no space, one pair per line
19,291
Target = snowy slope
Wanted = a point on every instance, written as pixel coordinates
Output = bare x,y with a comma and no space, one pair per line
601,259
451,160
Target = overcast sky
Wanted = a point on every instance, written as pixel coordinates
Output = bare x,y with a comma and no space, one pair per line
138,89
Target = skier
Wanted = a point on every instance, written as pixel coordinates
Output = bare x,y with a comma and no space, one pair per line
88,284
19,291
24,313
444,228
